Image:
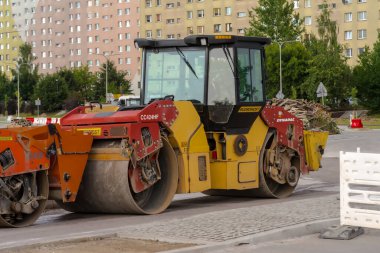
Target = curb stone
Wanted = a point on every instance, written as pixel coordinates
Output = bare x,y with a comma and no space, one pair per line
273,235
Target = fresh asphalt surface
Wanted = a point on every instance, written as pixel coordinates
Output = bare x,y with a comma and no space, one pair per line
58,224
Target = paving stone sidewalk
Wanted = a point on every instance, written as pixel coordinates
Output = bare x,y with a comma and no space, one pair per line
227,225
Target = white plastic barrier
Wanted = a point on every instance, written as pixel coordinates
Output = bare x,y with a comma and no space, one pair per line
360,189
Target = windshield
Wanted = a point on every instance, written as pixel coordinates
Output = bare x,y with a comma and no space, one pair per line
175,71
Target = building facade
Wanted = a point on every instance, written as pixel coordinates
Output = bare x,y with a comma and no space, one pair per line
173,19
357,20
10,39
72,33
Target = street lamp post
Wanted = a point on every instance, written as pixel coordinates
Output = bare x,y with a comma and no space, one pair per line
280,94
106,56
106,78
18,91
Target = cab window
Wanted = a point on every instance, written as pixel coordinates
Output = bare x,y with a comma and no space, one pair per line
175,71
221,81
250,75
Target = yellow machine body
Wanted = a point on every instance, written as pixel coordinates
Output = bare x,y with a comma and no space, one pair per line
198,171
314,143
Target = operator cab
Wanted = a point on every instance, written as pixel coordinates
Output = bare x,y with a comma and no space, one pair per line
222,75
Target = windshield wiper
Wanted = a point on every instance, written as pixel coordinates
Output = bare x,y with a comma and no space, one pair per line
229,59
179,51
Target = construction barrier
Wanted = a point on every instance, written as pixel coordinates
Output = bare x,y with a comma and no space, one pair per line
355,122
360,189
37,121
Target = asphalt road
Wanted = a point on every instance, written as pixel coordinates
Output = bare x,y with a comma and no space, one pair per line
60,224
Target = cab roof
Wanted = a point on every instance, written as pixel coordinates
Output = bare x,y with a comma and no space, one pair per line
200,40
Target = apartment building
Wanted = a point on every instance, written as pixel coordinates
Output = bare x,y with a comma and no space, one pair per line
10,39
357,20
172,19
72,33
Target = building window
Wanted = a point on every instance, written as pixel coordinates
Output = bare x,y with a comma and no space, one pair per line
296,4
170,5
148,3
349,52
200,29
348,35
189,30
200,13
158,17
241,14
217,12
362,34
148,33
148,18
158,33
348,17
170,36
362,1
308,20
228,11
189,15
228,27
362,15
307,3
217,28
347,1
170,21
361,50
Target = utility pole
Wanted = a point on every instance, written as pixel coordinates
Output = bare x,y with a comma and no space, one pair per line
280,94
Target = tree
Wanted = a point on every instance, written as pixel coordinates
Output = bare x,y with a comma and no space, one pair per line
6,90
85,82
80,82
52,90
295,63
328,65
275,19
367,78
117,82
28,75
